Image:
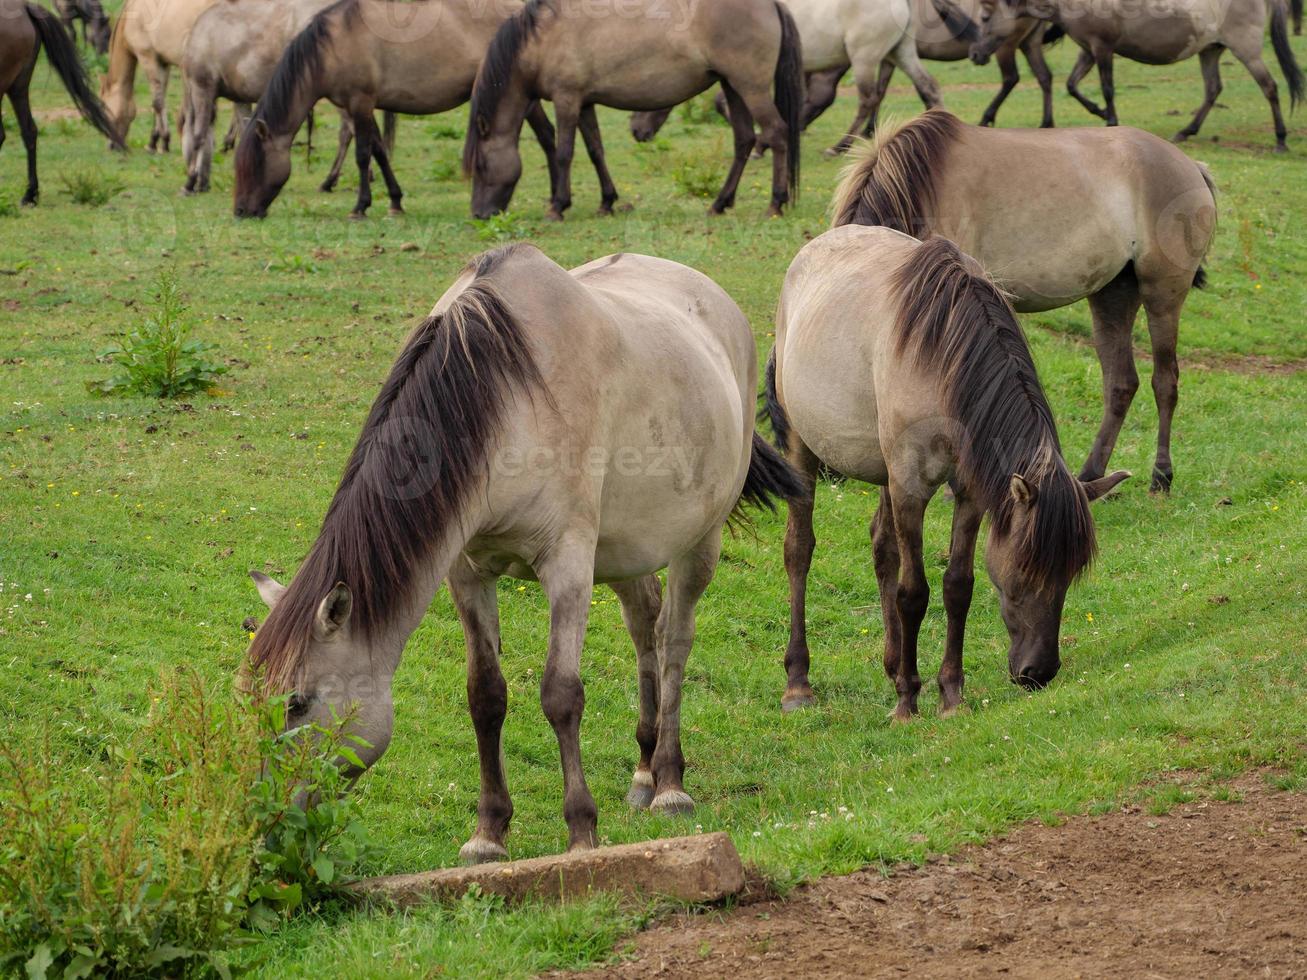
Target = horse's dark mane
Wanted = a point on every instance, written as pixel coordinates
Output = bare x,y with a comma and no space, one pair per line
494,75
959,323
421,454
892,181
301,61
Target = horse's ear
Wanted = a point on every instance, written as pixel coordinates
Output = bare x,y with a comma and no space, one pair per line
1022,490
333,612
482,125
1104,484
261,128
269,588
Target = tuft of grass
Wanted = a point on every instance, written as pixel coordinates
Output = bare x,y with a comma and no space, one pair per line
92,188
159,359
503,227
697,173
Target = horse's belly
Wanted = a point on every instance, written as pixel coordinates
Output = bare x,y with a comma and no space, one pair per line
1167,35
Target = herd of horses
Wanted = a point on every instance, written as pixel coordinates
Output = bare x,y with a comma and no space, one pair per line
597,425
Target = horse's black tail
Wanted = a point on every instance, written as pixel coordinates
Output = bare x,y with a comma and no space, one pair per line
772,410
770,479
389,126
788,84
62,52
1293,76
959,25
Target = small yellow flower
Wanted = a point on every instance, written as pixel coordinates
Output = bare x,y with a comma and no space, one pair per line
1089,617
77,493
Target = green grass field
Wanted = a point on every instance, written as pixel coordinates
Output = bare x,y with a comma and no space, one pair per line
127,525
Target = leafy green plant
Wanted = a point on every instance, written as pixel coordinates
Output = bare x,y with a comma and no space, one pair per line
91,187
291,262
699,110
8,206
158,359
502,227
698,174
177,847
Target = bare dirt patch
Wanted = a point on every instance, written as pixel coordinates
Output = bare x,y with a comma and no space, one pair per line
1210,889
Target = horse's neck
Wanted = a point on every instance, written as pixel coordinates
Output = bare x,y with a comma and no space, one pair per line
304,95
121,75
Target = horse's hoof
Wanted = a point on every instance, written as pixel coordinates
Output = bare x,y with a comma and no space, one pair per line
553,214
952,710
326,187
775,211
586,843
357,215
603,211
625,207
395,209
1281,148
796,699
716,211
27,202
480,850
1180,137
901,715
641,793
673,802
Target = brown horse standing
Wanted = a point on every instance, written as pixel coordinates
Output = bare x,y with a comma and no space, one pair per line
899,363
634,58
1146,216
24,29
416,58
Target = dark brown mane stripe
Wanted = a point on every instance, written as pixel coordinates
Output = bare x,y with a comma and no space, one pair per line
894,184
494,75
423,449
962,326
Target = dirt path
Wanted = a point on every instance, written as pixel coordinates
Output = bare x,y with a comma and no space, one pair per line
1211,889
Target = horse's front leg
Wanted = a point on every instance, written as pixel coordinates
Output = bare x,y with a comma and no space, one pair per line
1006,57
1103,59
742,127
363,158
345,135
1084,62
1033,48
641,602
885,555
383,161
487,702
538,120
687,578
912,594
594,147
568,580
567,114
157,73
959,581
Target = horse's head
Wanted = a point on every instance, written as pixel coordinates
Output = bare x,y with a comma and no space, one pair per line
310,653
120,106
999,21
262,169
494,163
97,30
1032,589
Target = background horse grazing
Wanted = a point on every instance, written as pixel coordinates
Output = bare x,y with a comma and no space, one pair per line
21,39
354,54
231,53
151,33
632,58
495,448
95,22
897,362
1147,216
1171,32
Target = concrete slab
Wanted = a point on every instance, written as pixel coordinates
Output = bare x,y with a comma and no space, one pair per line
702,868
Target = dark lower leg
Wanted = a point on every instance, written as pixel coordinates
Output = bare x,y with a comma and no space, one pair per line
1113,309
1084,62
1007,66
799,544
641,602
383,161
822,87
594,148
959,581
27,129
1034,52
911,598
538,120
363,159
1210,60
566,149
1163,329
742,130
1103,58
885,554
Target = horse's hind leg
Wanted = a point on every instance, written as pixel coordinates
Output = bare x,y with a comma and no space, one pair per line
885,555
1078,71
1006,57
383,161
742,129
822,89
641,601
1210,61
363,160
1250,53
1162,303
687,578
959,580
594,148
1103,59
906,57
157,73
27,127
487,702
568,580
882,86
1033,48
1113,308
870,95
799,544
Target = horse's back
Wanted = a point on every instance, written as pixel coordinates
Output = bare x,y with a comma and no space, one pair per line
835,318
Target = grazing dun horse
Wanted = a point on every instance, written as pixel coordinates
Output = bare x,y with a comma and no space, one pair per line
571,427
1159,34
231,53
95,22
416,58
151,33
1145,216
642,55
899,363
24,29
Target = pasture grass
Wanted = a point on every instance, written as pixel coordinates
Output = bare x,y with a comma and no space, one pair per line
127,525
